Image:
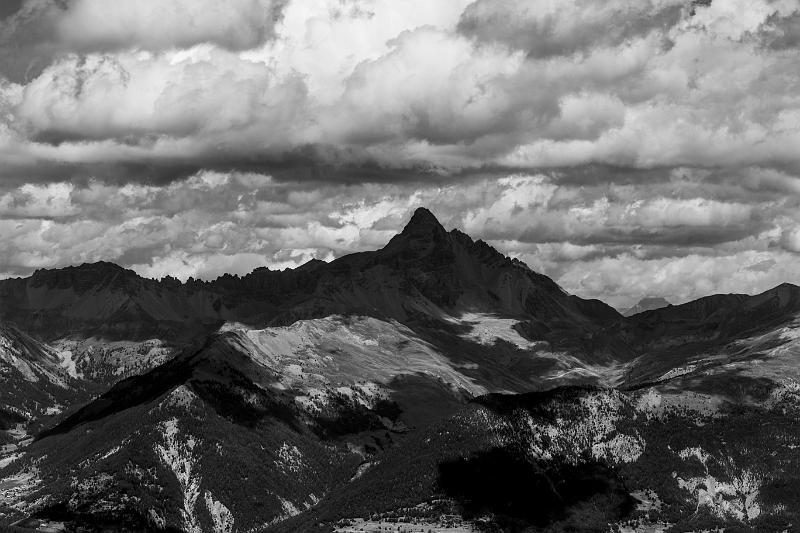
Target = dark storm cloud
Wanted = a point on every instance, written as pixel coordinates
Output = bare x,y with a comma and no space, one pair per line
36,32
781,32
676,237
306,163
544,29
293,104
9,7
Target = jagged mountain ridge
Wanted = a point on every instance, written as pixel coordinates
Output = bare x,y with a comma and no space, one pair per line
424,273
330,369
424,277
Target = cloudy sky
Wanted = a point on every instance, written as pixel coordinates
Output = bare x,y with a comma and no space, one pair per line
624,147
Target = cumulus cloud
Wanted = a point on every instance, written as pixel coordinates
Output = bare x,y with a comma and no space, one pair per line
156,25
137,95
623,279
448,87
91,25
781,31
37,31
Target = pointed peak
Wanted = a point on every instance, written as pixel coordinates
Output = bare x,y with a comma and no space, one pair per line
422,233
423,221
648,303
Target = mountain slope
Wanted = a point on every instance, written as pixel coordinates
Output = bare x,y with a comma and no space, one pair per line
36,381
344,389
707,331
105,300
273,398
576,459
159,451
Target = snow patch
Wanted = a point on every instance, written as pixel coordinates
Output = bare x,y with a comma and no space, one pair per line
488,329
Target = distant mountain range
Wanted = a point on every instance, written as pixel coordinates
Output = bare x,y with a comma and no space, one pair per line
651,303
434,382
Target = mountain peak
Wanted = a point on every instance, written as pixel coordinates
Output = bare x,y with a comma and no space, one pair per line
423,221
422,234
649,303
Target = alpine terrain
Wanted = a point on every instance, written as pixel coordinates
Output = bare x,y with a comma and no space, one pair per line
432,385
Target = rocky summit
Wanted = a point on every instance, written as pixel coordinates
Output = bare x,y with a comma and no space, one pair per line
431,385
651,303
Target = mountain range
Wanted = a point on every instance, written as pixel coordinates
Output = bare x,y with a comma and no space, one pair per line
432,385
